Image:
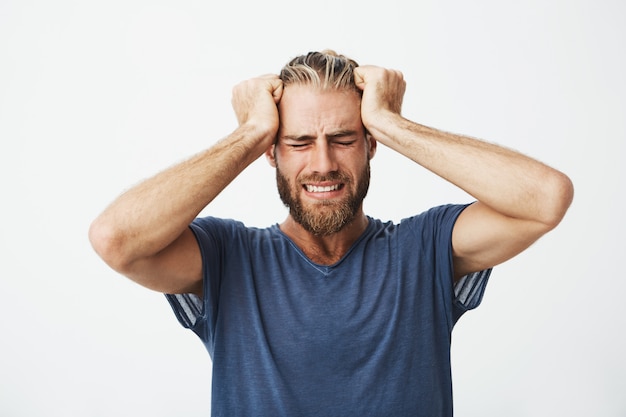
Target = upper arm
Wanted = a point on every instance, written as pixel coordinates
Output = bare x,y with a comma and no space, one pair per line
176,269
483,238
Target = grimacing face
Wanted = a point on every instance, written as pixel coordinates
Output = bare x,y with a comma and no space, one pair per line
321,157
327,216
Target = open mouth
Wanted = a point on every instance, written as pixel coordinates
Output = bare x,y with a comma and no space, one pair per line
322,188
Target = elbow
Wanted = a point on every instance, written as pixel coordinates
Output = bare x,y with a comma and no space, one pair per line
107,243
560,194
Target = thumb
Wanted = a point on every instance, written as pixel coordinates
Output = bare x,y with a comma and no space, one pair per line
277,91
359,77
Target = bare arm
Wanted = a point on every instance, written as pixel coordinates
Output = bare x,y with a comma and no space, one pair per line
144,233
518,198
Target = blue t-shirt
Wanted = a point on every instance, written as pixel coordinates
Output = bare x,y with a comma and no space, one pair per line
367,336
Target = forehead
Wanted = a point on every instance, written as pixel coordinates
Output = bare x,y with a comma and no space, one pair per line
303,108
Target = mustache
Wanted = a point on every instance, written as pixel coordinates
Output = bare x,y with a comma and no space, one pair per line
331,176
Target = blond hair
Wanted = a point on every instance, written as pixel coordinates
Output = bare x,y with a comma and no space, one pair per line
326,70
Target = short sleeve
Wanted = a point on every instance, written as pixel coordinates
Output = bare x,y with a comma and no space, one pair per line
467,293
187,308
213,236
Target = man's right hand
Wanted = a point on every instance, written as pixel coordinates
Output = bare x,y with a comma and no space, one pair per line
255,103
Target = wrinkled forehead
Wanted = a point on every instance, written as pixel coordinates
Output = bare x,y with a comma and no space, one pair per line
305,107
305,97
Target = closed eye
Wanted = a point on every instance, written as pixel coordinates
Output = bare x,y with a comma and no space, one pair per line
297,145
343,137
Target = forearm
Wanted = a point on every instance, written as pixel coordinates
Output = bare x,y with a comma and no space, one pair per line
148,217
507,181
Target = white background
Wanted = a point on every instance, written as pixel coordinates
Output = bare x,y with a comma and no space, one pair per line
95,96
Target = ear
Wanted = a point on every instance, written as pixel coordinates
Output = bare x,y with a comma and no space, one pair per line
270,156
372,145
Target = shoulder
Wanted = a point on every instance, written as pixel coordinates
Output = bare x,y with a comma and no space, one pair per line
430,231
432,226
222,226
216,223
440,217
224,232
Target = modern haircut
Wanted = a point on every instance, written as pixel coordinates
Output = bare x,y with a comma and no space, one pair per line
326,70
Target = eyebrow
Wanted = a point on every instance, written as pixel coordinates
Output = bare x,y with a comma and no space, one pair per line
341,133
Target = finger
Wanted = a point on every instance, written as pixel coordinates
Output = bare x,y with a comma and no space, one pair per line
277,87
365,74
274,85
359,77
278,92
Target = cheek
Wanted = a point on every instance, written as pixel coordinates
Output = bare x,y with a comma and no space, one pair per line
285,172
290,164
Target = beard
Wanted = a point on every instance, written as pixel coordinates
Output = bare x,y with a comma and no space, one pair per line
325,217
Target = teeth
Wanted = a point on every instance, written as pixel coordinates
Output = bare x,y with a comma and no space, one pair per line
316,189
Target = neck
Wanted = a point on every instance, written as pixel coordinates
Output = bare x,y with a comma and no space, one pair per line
325,250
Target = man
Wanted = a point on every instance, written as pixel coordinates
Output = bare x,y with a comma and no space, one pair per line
330,313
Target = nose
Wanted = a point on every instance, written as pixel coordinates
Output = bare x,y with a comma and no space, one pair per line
322,160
